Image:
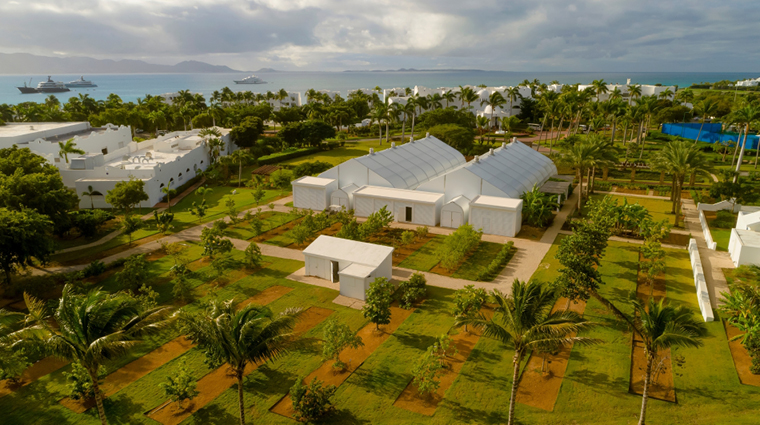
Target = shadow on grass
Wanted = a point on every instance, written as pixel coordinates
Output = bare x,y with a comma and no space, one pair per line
467,414
599,381
381,381
214,414
344,416
273,382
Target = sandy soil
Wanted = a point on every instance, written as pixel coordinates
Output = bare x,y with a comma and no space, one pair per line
541,382
410,399
133,371
219,380
742,360
353,357
33,373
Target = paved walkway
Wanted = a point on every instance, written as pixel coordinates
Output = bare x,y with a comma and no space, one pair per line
712,261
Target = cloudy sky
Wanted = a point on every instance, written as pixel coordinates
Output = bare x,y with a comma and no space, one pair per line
509,35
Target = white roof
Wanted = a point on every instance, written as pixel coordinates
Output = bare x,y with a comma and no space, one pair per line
364,253
513,168
411,164
313,181
357,270
351,188
460,200
497,202
401,194
749,237
751,218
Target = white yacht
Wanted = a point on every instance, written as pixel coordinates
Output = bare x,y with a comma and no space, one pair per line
80,83
251,79
51,86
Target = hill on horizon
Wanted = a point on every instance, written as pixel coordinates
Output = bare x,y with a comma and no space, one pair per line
25,63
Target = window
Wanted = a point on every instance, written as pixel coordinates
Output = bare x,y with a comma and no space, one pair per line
57,159
105,151
408,214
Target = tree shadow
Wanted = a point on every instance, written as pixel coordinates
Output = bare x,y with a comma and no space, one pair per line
273,382
343,416
599,381
415,340
468,414
214,414
380,381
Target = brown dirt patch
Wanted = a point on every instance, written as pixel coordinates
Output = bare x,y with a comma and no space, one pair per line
662,386
531,233
676,239
266,296
219,380
542,378
410,399
155,255
353,357
133,371
742,359
31,374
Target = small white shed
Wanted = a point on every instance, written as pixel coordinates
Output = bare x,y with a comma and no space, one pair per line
353,264
455,212
344,197
407,206
313,192
496,215
744,247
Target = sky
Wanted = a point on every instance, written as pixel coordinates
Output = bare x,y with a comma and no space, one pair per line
334,35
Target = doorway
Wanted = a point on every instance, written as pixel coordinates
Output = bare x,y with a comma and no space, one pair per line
335,268
408,214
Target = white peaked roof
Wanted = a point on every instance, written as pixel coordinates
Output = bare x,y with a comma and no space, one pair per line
364,253
409,165
513,168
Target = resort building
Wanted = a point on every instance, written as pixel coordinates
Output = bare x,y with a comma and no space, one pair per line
291,100
427,182
111,156
744,242
749,83
354,264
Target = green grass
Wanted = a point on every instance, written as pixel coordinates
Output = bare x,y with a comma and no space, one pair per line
272,220
424,258
658,208
721,237
478,261
82,255
341,154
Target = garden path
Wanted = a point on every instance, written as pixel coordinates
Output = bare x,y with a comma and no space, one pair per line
714,261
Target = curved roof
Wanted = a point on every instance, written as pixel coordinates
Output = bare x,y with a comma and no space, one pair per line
409,165
513,168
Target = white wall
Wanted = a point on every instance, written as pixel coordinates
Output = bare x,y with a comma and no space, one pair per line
703,297
423,214
452,216
495,221
741,254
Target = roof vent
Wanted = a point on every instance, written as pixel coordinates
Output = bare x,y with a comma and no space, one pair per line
427,134
393,145
411,140
514,139
371,151
490,151
477,159
504,145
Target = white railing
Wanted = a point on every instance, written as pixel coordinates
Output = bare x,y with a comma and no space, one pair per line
711,244
718,206
703,297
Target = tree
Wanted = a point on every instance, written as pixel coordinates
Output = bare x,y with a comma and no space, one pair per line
68,147
79,382
24,240
314,132
169,192
247,132
126,194
253,257
742,307
134,273
91,328
412,290
457,245
458,137
241,156
90,192
426,371
258,194
408,237
312,401
495,100
524,321
163,221
468,301
705,108
377,307
663,327
181,385
213,242
239,337
281,178
130,224
336,337
681,159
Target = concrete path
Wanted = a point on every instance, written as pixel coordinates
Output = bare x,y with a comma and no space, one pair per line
712,261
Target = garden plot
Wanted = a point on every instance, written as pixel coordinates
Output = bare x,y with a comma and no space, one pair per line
31,374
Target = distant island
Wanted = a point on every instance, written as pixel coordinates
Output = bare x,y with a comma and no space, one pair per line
24,63
268,70
413,70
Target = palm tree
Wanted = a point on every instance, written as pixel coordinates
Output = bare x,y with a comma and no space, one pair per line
239,337
212,136
467,95
633,91
746,116
705,108
581,157
509,125
494,100
91,192
512,93
92,328
449,97
681,159
68,147
482,124
663,327
380,113
169,192
600,88
240,156
523,319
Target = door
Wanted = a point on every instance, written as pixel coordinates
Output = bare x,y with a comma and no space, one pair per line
456,219
446,220
408,215
334,266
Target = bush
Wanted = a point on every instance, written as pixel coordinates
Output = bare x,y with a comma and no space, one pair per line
458,137
310,168
87,222
93,269
80,383
602,186
725,220
134,273
412,290
457,245
498,263
286,155
426,371
311,401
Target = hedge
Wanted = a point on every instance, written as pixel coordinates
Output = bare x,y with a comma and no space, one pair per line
284,156
498,263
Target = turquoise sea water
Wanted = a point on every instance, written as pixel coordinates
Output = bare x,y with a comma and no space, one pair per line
132,86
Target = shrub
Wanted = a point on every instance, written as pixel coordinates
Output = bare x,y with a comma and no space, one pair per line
80,383
412,290
13,363
724,220
457,245
134,273
468,301
182,289
498,263
377,307
538,207
311,401
336,337
87,222
421,231
181,385
253,257
426,371
287,154
310,168
94,268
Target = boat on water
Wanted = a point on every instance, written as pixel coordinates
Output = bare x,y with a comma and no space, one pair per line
48,86
251,79
80,83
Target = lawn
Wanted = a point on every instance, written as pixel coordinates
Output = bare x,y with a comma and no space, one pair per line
658,208
341,154
478,261
270,220
425,258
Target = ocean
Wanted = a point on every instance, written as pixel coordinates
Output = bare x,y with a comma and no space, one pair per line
132,86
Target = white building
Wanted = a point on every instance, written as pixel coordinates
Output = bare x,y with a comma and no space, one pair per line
427,182
646,90
291,100
111,156
744,242
748,83
354,264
